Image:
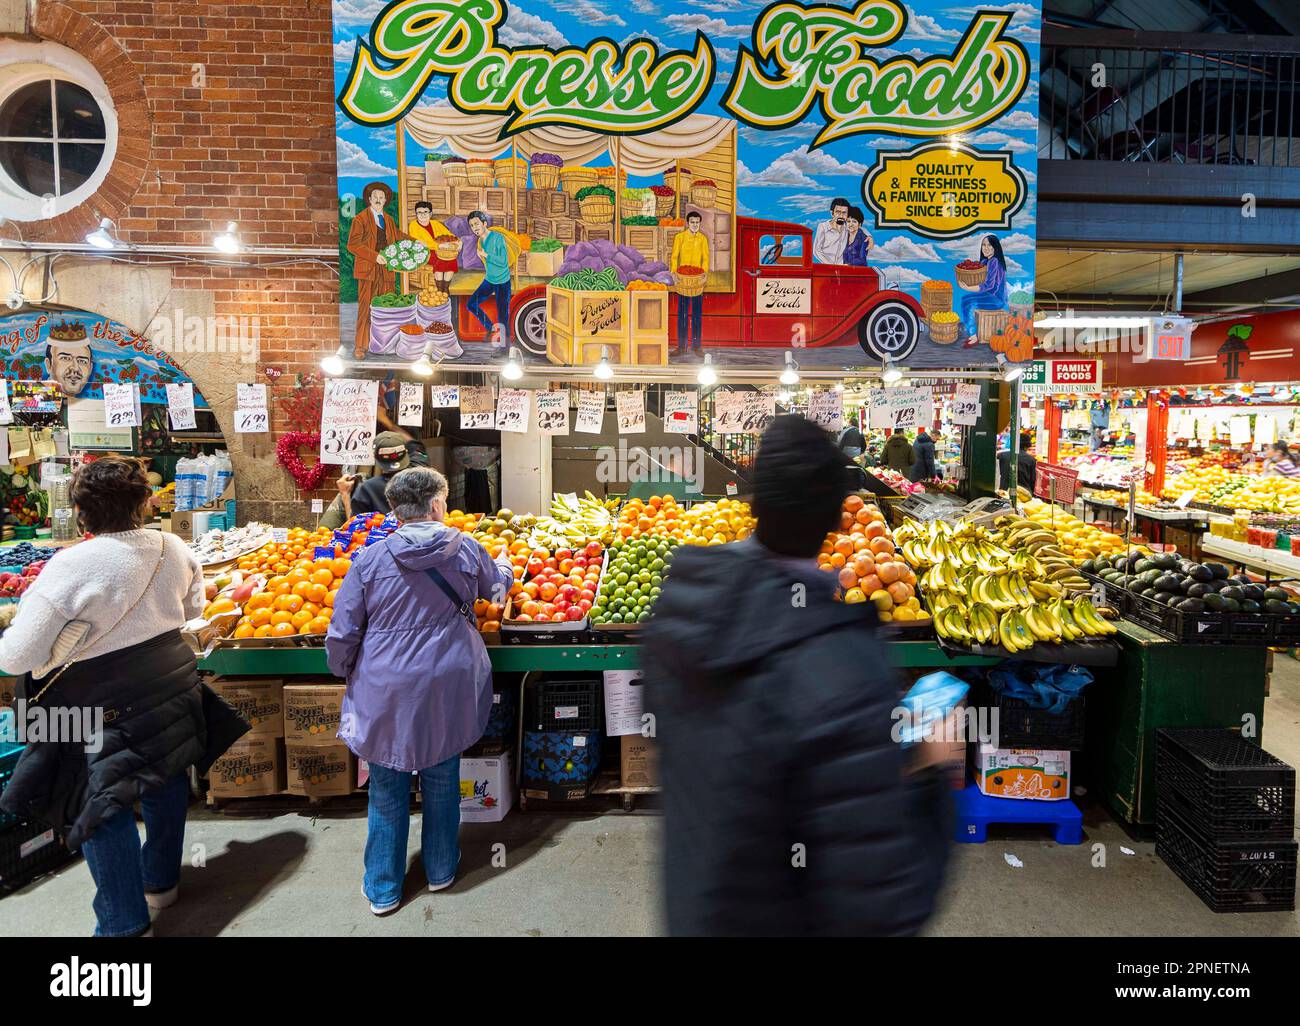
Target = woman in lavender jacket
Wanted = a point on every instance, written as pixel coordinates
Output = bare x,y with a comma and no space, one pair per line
419,679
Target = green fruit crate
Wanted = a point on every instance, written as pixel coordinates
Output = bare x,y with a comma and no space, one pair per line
1205,628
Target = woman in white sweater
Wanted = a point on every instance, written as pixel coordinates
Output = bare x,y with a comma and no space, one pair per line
99,631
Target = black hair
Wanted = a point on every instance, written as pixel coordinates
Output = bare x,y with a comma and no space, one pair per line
1283,448
695,214
992,240
110,495
800,480
424,203
480,215
1026,441
839,201
857,215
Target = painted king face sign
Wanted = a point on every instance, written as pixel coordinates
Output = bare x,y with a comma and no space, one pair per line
852,181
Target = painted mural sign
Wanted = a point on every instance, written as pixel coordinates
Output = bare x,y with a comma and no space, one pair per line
649,182
79,351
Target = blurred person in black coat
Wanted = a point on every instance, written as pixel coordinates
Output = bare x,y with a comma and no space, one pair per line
789,809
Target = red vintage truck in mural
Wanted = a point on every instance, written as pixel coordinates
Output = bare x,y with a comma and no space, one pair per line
782,299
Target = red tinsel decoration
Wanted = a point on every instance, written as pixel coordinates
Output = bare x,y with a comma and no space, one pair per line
308,479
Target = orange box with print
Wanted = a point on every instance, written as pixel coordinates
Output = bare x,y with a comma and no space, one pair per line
1035,774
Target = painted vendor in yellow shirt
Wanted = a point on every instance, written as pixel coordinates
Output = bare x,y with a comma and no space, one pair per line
690,256
424,228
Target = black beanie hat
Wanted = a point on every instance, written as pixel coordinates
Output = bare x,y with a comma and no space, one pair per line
799,485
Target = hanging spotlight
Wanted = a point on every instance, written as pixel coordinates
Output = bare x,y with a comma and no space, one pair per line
423,366
102,237
227,241
333,364
890,373
513,370
1011,371
707,375
603,370
790,376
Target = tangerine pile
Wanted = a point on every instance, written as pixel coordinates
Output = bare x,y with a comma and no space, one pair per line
298,601
706,523
862,556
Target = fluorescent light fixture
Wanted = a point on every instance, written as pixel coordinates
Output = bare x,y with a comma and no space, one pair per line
227,241
1071,321
790,376
513,369
102,237
333,364
603,370
423,366
707,375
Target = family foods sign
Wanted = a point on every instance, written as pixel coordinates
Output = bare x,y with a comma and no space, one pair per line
751,178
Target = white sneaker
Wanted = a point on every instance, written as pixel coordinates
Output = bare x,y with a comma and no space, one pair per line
380,910
442,886
162,899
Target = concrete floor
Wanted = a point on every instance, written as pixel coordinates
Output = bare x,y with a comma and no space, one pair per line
565,875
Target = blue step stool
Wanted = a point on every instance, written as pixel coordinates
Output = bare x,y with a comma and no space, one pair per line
976,810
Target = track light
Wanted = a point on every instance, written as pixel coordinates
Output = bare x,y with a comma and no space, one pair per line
423,366
790,376
333,364
513,369
227,241
889,373
603,370
1011,371
102,237
707,375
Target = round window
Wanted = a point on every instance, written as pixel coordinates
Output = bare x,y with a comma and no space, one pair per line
57,136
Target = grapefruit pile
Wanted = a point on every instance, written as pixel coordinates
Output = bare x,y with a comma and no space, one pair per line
862,556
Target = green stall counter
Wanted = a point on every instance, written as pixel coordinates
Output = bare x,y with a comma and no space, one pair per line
1162,683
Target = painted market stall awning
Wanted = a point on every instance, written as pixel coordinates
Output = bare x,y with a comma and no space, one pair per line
478,137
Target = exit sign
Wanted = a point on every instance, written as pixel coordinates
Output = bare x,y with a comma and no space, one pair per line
1170,338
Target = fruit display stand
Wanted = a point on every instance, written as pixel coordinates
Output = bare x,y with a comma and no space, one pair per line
1270,562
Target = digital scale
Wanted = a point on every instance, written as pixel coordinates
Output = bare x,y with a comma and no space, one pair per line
986,510
924,506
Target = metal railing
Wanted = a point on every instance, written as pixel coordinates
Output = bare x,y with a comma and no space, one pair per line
1168,98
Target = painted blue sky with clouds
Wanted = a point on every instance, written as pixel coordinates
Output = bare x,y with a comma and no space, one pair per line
778,176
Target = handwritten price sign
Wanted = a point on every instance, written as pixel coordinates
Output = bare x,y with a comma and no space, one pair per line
901,407
476,408
966,405
553,412
121,405
826,409
681,413
410,404
180,406
591,412
630,405
513,408
444,396
743,413
250,409
347,430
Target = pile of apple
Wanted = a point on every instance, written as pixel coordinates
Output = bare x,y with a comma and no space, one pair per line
558,588
13,585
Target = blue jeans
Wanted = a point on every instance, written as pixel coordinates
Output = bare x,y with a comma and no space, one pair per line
389,823
123,871
694,307
501,293
977,301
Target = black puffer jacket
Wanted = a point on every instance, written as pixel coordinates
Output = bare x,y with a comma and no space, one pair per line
158,721
773,706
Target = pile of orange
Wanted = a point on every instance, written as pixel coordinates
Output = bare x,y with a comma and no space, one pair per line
298,601
462,521
862,556
280,557
706,523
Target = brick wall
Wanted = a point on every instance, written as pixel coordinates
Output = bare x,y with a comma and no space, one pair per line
226,114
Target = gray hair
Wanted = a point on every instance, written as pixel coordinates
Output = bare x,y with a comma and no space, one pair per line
411,492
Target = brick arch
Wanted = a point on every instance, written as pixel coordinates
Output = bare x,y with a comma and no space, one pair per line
59,23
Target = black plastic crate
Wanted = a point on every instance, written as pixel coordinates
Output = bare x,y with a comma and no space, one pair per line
1229,786
1229,875
564,703
1020,725
27,851
1112,594
1208,628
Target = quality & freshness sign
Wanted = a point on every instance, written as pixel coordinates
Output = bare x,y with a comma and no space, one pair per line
859,168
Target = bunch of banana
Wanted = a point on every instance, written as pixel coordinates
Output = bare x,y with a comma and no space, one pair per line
576,518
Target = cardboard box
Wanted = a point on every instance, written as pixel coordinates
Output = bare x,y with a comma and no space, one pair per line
259,701
252,767
319,771
640,761
1032,773
543,265
311,713
486,788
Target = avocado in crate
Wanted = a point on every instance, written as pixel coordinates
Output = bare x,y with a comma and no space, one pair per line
559,765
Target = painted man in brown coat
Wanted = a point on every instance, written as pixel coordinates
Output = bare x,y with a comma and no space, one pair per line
372,230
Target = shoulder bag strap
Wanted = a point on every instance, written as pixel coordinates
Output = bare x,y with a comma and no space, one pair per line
162,555
463,607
